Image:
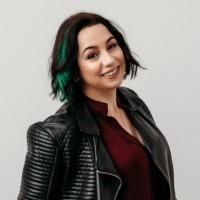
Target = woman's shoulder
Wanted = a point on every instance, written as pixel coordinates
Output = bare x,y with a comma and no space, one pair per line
55,125
132,95
128,92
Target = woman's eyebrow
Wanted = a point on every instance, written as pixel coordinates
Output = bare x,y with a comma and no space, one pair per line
94,47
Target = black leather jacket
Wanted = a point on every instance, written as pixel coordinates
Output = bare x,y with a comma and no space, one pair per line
66,158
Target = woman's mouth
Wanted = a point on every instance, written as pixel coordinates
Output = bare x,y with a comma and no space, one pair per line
111,73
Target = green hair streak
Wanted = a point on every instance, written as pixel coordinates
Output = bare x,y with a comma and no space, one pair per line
62,78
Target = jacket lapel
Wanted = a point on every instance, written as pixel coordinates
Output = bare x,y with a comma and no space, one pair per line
145,126
84,116
88,125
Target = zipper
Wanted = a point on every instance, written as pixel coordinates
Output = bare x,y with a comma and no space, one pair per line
103,172
114,175
98,186
97,175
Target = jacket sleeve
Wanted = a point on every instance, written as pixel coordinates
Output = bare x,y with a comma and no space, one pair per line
40,165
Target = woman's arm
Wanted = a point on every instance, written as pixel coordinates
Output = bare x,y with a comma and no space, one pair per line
40,165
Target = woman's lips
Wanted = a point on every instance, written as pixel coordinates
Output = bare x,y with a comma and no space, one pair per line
111,73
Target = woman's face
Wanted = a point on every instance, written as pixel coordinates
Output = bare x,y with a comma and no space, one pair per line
100,59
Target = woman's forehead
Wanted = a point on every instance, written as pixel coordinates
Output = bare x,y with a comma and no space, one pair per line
93,35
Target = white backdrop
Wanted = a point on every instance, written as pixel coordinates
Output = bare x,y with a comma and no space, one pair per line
166,36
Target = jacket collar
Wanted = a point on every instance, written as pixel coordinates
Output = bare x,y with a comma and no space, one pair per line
84,114
101,108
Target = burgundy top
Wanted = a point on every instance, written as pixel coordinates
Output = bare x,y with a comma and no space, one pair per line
130,157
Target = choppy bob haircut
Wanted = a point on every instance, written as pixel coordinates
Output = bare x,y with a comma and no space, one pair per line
64,65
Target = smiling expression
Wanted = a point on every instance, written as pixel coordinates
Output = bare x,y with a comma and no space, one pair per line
100,59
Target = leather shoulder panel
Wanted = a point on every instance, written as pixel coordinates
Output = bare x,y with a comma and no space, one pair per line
59,123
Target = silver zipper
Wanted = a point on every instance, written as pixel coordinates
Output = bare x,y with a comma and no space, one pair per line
97,175
108,173
98,186
103,172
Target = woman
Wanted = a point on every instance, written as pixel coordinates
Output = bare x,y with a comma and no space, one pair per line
103,142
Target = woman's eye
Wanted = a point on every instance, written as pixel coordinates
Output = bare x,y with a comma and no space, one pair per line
92,55
112,46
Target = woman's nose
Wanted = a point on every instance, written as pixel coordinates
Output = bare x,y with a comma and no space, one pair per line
107,59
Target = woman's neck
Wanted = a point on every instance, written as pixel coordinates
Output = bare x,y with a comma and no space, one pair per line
109,97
